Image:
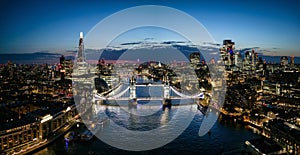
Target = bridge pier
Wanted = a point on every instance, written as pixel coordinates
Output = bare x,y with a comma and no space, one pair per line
166,102
132,103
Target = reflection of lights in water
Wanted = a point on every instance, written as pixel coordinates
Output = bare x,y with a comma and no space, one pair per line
165,116
30,147
254,130
67,145
138,106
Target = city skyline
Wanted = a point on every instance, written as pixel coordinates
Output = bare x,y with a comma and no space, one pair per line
152,101
54,26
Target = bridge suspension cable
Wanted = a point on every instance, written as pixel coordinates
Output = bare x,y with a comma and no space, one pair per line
186,96
99,96
119,95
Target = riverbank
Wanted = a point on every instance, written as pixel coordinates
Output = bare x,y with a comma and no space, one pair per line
45,142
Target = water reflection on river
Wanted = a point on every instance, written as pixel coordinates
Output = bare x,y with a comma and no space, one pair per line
225,136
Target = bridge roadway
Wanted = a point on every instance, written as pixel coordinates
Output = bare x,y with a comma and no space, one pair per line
148,85
148,98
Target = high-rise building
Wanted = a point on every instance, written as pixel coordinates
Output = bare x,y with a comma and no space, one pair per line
228,44
237,59
247,57
10,69
253,58
292,60
61,59
61,67
229,55
80,54
65,68
81,67
256,59
195,58
284,61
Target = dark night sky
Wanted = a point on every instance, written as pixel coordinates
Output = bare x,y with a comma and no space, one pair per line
33,26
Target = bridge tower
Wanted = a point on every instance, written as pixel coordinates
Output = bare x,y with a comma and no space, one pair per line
167,91
132,89
167,96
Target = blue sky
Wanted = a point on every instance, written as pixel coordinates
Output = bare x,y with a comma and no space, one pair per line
34,26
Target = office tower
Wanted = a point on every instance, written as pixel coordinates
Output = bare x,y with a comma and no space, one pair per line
10,69
253,57
229,47
256,58
284,60
61,67
292,61
247,58
195,58
237,59
80,54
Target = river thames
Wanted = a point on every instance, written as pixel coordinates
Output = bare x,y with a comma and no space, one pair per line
226,136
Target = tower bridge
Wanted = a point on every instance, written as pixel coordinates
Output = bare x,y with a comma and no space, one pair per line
128,92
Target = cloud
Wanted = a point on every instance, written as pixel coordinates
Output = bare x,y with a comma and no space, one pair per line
243,50
173,42
131,43
211,43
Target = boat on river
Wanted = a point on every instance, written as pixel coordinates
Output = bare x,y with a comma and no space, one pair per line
88,134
